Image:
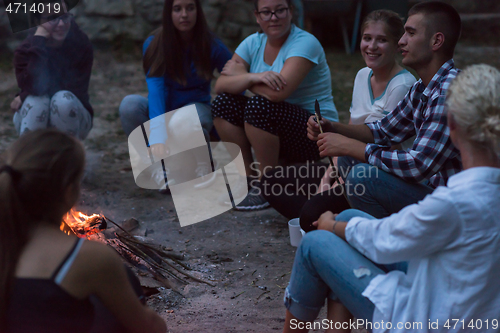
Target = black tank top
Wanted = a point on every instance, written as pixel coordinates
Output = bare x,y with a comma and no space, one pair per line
42,306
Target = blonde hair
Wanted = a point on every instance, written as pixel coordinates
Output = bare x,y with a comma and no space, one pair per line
473,99
394,27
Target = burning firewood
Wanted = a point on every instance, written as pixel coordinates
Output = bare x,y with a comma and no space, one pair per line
83,225
144,256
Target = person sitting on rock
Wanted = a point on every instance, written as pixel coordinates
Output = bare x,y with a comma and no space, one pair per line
53,67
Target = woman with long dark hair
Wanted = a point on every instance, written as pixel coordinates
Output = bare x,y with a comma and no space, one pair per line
46,276
179,61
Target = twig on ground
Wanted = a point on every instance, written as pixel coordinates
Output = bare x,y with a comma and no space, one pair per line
233,297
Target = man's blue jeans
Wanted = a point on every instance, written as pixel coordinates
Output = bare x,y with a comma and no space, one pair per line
324,267
377,192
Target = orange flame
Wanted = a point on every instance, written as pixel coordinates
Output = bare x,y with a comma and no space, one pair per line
76,221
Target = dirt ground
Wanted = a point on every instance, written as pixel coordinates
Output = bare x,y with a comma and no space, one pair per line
247,255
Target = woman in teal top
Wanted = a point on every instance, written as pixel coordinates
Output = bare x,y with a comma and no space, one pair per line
285,67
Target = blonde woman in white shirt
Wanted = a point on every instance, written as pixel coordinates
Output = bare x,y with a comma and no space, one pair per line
450,242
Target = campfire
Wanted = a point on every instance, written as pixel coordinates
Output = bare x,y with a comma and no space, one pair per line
147,259
83,225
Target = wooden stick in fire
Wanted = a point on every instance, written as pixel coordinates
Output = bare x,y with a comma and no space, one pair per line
127,239
317,112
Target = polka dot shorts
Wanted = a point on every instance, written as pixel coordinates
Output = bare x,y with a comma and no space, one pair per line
287,121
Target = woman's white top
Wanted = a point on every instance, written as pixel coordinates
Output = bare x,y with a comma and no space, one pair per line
451,240
365,108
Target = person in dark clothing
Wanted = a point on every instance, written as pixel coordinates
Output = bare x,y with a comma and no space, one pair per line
53,68
49,280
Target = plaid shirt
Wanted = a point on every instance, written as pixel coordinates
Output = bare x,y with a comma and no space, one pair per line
421,113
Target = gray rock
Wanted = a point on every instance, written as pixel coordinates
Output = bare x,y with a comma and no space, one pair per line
229,30
478,7
107,29
214,2
150,10
5,30
240,12
474,27
212,15
109,7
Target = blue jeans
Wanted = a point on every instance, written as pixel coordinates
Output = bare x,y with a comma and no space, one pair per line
134,112
377,192
324,267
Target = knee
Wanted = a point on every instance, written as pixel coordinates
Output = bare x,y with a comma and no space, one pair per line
257,105
38,103
361,173
182,126
129,105
220,99
316,241
65,102
348,214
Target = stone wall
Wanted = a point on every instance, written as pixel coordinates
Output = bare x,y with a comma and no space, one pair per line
108,20
231,20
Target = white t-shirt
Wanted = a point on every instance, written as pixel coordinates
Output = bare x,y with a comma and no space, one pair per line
366,109
317,85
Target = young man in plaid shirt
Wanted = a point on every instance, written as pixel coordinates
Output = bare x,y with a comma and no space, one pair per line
381,181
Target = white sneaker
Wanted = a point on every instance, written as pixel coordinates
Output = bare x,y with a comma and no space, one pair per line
204,174
158,176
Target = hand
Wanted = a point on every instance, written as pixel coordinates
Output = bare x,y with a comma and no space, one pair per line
43,31
273,80
16,104
313,128
326,221
160,150
233,67
333,144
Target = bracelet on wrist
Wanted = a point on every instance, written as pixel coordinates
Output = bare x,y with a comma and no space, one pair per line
334,225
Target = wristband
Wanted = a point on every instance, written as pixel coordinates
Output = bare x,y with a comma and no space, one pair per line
334,225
